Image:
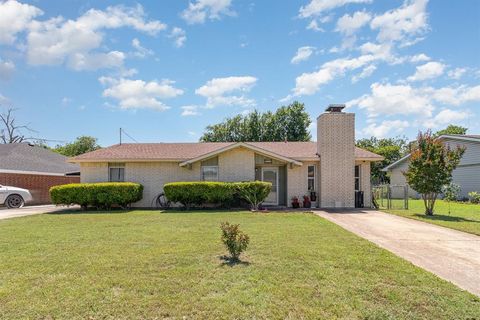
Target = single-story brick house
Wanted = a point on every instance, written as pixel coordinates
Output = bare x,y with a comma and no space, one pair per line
332,167
35,168
466,175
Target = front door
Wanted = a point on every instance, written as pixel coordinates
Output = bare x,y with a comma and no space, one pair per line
270,174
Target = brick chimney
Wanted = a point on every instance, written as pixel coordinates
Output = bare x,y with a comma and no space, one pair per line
336,148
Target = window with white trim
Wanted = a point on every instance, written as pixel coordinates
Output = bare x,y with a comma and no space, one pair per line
209,169
116,172
311,176
357,178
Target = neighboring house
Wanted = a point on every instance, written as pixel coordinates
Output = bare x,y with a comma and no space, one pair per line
35,168
333,167
466,175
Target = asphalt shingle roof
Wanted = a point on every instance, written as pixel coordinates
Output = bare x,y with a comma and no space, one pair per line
25,157
186,151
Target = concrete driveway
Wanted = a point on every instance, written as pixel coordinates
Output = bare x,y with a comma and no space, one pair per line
450,254
6,213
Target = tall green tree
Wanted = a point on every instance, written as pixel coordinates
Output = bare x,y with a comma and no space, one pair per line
451,129
286,123
81,145
430,168
391,149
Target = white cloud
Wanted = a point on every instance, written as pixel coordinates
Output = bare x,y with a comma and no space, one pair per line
446,116
348,25
219,91
140,51
303,54
455,95
313,25
391,99
402,23
190,111
317,7
136,94
428,70
179,36
420,58
366,72
388,99
6,69
57,41
385,127
93,61
309,83
457,73
200,10
15,17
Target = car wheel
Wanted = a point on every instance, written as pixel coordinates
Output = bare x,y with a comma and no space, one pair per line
14,201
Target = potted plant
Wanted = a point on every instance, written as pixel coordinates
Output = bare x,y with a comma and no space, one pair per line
306,202
295,203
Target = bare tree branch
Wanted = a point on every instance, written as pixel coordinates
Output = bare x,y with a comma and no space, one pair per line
10,132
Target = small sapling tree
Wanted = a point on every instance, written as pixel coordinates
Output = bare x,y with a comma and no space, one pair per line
430,168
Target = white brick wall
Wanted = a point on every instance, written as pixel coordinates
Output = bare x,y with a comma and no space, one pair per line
365,182
297,181
234,165
94,172
336,146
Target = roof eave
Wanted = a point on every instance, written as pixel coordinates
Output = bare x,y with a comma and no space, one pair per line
370,159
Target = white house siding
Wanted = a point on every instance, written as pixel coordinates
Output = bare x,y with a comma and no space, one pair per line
297,181
398,179
466,175
468,178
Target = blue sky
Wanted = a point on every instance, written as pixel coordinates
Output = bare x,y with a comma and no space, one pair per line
163,70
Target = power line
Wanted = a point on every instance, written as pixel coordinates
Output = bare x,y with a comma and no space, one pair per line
122,131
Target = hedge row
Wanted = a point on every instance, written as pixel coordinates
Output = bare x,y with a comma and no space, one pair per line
98,195
218,193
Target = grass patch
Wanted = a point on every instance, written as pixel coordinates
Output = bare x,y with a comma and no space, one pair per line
146,264
463,216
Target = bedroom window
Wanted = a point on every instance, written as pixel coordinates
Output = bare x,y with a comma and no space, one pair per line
357,178
116,172
311,178
209,169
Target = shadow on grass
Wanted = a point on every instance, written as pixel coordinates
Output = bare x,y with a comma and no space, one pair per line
228,261
442,217
92,211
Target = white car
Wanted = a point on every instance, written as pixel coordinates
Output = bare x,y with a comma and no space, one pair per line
14,197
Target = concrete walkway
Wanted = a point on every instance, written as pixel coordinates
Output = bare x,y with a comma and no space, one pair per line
6,213
450,254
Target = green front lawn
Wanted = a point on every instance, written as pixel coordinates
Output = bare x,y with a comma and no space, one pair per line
463,216
151,265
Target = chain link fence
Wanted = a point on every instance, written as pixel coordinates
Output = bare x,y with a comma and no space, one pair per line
388,196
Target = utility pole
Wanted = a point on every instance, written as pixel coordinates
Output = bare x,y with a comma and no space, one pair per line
120,136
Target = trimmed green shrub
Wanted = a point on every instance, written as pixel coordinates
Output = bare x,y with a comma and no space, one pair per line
253,192
99,195
234,239
451,192
474,197
198,193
